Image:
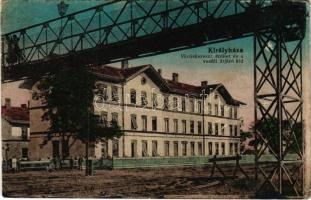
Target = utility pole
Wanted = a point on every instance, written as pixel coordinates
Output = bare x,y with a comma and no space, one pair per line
203,118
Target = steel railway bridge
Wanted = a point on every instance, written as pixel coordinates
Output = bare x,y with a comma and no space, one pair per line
122,30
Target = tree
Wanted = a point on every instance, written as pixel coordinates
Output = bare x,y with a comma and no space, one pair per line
244,135
69,96
269,129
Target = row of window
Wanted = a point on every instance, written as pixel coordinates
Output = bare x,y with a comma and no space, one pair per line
233,129
214,148
166,128
218,110
233,113
101,89
220,148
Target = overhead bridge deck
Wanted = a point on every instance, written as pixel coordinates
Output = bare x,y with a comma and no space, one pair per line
121,30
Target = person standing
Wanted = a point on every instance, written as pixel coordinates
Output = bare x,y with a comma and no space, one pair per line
80,162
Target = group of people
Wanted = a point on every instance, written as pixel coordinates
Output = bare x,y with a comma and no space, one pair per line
57,162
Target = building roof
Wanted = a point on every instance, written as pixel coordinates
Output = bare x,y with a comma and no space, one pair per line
183,87
175,87
116,73
15,114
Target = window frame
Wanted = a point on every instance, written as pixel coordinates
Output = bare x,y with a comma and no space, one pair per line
222,128
235,112
166,148
184,126
154,144
191,104
144,153
166,102
176,148
184,148
114,93
199,106
175,124
104,118
209,107
199,124
154,119
166,125
223,148
200,149
191,126
216,129
134,122
222,110
183,104
210,148
143,98
154,100
115,117
216,148
102,91
216,109
210,128
144,122
133,96
192,149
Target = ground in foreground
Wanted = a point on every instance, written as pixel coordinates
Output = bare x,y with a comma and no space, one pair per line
189,182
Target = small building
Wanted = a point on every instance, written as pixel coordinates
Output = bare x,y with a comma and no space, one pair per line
15,131
160,118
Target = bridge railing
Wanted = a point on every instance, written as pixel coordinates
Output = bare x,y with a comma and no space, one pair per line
109,23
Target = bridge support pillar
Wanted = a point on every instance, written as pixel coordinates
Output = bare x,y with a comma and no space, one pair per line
278,113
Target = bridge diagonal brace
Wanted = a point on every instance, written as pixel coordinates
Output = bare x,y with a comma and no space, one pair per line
278,121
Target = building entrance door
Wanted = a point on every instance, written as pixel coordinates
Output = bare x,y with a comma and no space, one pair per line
55,149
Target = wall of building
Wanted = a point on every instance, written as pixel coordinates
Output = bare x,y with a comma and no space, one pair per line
39,151
12,90
124,110
12,141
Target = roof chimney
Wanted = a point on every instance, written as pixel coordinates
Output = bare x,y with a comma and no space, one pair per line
175,77
160,71
204,83
7,102
124,64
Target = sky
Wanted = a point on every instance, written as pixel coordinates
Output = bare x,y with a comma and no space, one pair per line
236,77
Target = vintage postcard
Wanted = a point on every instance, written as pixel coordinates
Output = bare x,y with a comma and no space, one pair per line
174,99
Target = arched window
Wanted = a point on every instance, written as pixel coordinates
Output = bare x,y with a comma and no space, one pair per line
133,96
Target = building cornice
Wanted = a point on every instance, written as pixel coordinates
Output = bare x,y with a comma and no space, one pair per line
174,111
157,132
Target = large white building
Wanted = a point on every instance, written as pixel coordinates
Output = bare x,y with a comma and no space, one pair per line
160,118
165,117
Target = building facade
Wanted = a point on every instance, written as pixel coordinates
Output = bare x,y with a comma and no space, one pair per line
14,131
160,117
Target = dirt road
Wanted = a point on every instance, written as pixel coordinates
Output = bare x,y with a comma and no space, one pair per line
124,183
